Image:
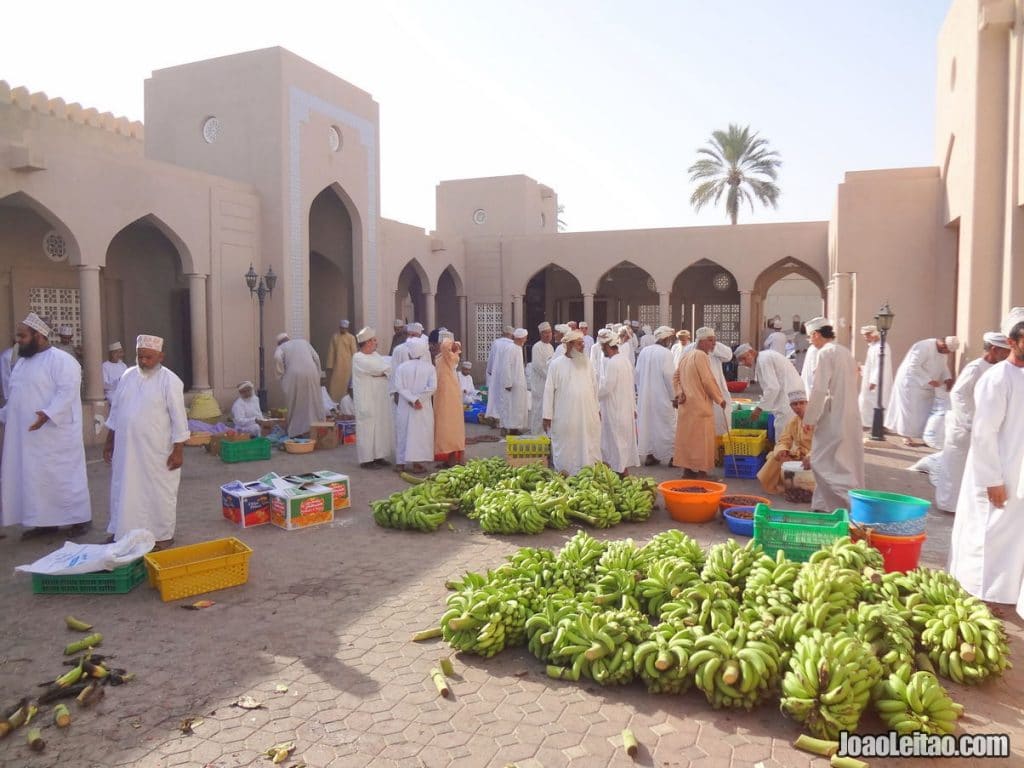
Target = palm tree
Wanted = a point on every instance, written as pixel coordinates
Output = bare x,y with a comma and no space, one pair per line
738,163
561,225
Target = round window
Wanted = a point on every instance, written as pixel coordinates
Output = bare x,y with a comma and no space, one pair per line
721,281
334,138
211,129
479,216
54,246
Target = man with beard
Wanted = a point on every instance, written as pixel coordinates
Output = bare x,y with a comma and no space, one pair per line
145,445
43,468
571,412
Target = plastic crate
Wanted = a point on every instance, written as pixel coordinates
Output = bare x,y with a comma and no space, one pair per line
741,419
245,450
119,581
527,446
742,466
798,534
198,568
745,442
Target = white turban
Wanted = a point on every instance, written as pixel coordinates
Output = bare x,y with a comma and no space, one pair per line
663,332
343,323
66,330
869,329
741,350
508,330
467,364
282,337
562,328
611,341
545,326
365,334
414,328
145,341
520,333
703,333
646,328
953,343
36,323
604,334
816,324
584,324
114,347
399,324
572,336
682,333
997,339
243,385
1016,316
416,347
797,395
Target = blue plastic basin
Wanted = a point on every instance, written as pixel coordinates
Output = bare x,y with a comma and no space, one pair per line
872,507
739,525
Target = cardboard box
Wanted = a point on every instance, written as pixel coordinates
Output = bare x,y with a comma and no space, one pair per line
246,504
339,485
324,434
301,506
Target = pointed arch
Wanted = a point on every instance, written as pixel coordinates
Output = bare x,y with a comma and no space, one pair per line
707,293
551,293
460,288
626,292
783,268
22,199
414,265
626,264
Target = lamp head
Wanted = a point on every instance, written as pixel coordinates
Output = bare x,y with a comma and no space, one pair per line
884,318
250,278
270,279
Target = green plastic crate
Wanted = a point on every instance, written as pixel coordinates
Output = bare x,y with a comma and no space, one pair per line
119,581
741,419
798,534
256,449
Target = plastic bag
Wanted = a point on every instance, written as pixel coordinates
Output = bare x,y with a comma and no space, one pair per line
75,558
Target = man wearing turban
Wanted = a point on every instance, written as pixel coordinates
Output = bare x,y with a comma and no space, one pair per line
571,412
868,399
697,394
922,372
415,382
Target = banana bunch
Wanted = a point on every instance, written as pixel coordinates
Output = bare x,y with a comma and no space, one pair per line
455,481
593,506
965,642
484,620
616,588
531,573
663,662
666,579
883,628
542,628
710,606
576,563
600,647
915,702
769,587
675,543
623,555
731,563
635,498
405,511
829,682
554,490
846,553
733,669
599,476
826,583
820,615
505,511
531,476
920,591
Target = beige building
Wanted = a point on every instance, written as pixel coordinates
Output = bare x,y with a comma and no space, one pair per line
263,158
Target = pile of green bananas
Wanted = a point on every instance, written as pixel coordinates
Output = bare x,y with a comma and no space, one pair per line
965,641
576,563
505,511
883,627
548,625
663,661
484,619
769,587
731,563
845,553
599,647
829,682
909,702
420,508
675,543
594,507
710,606
734,669
665,581
635,498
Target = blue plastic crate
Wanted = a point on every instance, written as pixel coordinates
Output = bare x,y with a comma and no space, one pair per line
743,466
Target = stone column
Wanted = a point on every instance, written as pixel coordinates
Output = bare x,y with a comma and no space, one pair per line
428,299
197,317
517,311
588,311
92,332
747,333
664,310
463,329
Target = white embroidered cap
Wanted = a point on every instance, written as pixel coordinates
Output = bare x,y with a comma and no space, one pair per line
35,322
145,341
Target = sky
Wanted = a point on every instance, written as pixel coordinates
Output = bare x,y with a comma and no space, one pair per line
605,101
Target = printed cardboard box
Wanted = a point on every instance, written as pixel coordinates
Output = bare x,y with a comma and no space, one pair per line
301,506
339,484
246,504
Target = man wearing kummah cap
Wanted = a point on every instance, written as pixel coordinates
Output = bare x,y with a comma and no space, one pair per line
298,366
570,410
339,361
145,445
791,444
510,374
246,412
924,369
656,418
696,395
399,355
375,431
66,340
868,399
777,377
960,418
42,472
540,358
398,336
113,369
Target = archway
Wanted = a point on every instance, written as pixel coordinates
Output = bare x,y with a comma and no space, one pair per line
410,303
145,291
332,278
446,303
552,294
626,292
787,288
706,294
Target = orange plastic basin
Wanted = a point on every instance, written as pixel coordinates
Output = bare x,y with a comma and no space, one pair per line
690,507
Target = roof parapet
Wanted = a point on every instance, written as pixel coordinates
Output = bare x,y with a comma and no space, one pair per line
39,102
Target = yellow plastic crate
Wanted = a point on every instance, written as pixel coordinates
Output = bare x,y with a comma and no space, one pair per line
198,568
527,446
746,442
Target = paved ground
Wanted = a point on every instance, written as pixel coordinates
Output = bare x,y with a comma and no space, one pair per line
328,612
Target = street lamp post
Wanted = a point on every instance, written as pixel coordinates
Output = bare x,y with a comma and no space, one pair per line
261,287
883,320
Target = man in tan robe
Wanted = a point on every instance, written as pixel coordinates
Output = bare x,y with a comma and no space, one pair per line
339,362
449,418
696,396
794,444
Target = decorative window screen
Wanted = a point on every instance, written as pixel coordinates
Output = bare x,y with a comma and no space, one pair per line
650,314
725,319
58,306
489,323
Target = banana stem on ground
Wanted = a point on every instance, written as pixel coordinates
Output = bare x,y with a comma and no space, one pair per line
924,663
815,746
411,479
440,683
846,762
629,743
427,634
446,666
61,716
35,740
90,641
